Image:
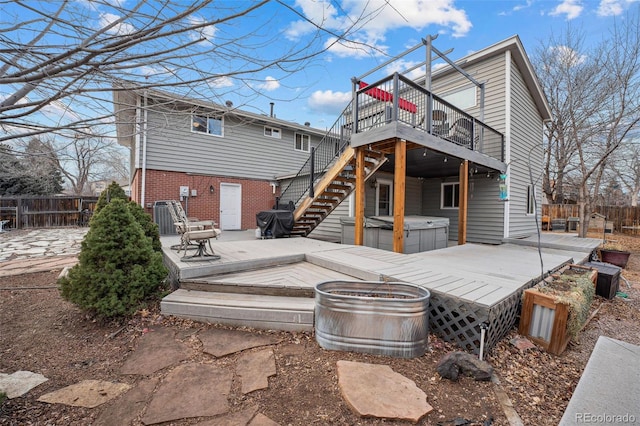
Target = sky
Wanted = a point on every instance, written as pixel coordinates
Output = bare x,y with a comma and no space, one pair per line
462,25
319,91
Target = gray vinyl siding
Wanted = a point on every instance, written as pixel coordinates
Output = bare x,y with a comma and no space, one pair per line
413,195
491,72
431,191
484,213
330,229
242,152
526,136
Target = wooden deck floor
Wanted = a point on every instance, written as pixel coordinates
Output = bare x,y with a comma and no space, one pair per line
260,283
482,274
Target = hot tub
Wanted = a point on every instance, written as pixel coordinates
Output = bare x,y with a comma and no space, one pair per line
421,233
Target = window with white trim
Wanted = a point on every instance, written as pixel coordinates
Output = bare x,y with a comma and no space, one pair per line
302,142
212,125
463,97
531,202
449,196
272,132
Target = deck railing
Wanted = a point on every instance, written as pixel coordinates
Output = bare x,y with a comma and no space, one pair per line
417,107
377,106
322,156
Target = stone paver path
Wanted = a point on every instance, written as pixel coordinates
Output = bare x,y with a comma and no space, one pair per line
87,393
224,342
156,350
17,384
254,370
39,250
167,389
373,390
190,390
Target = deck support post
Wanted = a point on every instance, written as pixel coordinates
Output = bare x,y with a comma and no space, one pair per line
462,202
359,202
399,180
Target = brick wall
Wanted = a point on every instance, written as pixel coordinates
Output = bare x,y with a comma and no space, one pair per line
257,195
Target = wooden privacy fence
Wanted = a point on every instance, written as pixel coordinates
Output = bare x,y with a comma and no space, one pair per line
42,212
624,219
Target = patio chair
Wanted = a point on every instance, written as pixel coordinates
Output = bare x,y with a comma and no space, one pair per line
462,132
193,232
440,125
180,219
200,238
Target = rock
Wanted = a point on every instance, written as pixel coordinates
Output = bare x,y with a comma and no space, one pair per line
254,370
156,350
190,390
87,393
454,363
522,343
219,342
378,391
20,382
130,405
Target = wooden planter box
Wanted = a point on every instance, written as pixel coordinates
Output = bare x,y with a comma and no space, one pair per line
615,257
544,321
593,272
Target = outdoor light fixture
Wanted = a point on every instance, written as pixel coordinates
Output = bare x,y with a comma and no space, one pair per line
212,189
424,153
445,160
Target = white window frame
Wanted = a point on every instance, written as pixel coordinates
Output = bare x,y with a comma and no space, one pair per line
303,137
207,128
272,132
531,194
388,183
455,199
463,97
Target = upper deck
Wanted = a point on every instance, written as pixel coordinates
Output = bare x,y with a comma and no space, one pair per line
423,120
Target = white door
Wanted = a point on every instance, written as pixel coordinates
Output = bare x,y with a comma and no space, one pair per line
230,206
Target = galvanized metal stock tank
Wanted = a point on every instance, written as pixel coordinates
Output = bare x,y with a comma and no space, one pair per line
382,318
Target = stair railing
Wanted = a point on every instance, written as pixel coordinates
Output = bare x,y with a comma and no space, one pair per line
322,156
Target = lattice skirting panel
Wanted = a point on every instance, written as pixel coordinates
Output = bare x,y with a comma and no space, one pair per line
461,322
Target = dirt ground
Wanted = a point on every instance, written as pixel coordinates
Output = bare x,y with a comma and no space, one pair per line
42,333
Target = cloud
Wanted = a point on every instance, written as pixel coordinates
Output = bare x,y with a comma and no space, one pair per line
121,28
207,32
354,48
270,84
568,56
329,102
153,70
517,8
400,66
571,8
369,22
221,82
613,7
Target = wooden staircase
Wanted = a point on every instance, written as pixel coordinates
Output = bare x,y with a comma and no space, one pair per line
336,185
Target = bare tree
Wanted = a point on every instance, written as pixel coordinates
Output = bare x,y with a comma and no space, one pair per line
595,98
627,169
60,60
83,160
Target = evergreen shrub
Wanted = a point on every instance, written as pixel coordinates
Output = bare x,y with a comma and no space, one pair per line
118,268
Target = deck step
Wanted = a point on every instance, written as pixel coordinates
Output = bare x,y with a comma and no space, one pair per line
259,311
